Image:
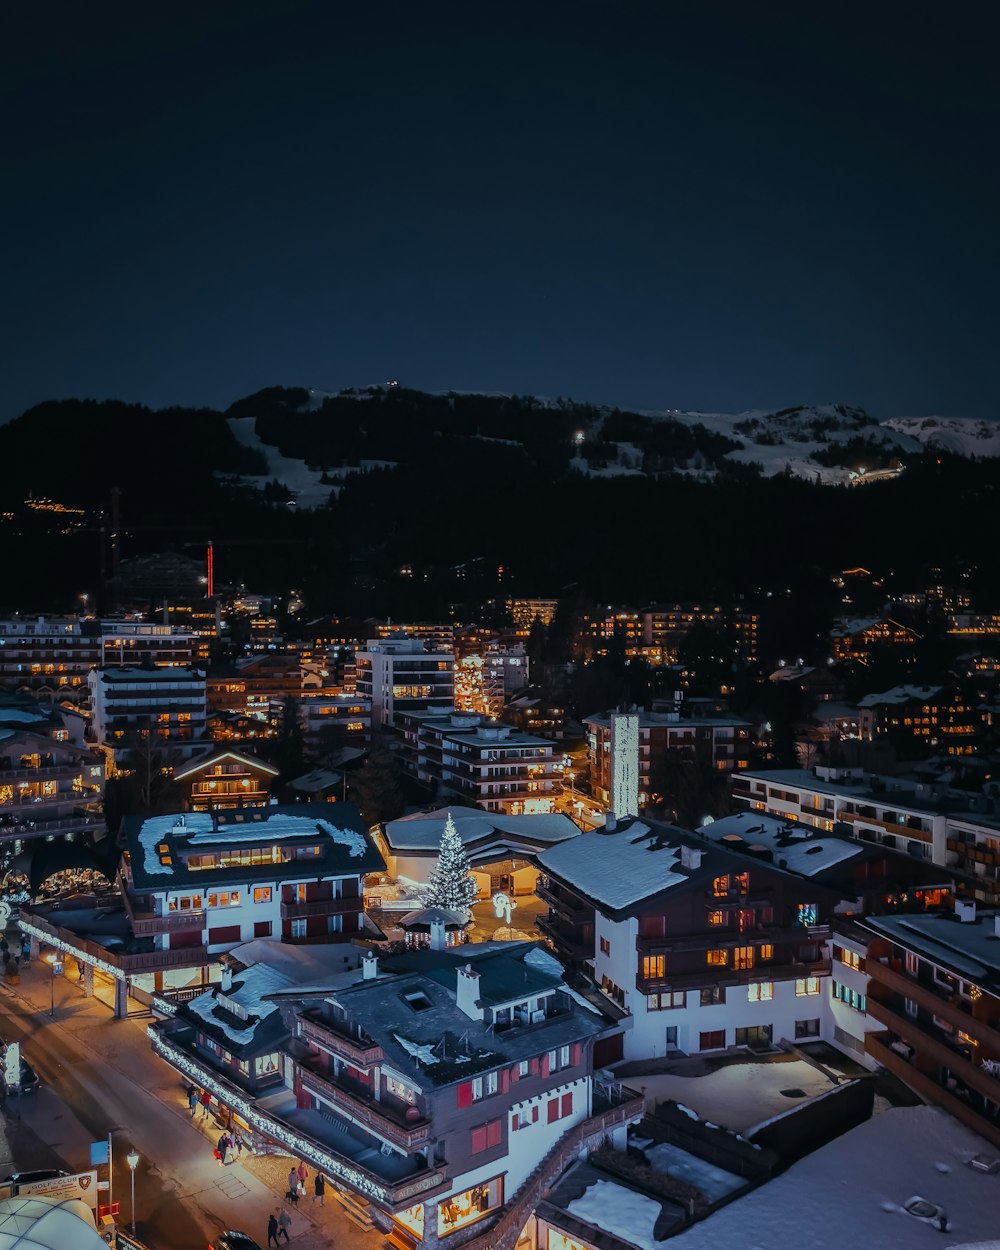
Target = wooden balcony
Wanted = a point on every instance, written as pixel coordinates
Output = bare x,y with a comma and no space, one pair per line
941,1003
323,1033
566,905
147,923
716,974
877,1045
366,1111
930,1044
570,944
321,907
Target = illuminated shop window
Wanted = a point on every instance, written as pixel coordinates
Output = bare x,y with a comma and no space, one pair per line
465,1208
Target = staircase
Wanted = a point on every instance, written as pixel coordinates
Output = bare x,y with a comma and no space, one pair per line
355,1208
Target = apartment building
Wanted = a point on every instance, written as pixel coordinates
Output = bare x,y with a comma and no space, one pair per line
918,720
700,947
56,654
722,742
332,721
397,675
168,702
480,761
934,987
49,786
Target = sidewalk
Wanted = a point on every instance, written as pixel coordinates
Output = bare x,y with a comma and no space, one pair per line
240,1194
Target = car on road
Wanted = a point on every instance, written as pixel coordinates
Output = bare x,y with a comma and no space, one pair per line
29,1077
232,1239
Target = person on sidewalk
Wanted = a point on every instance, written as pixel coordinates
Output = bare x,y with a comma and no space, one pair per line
319,1189
192,1099
284,1220
206,1103
293,1185
303,1174
272,1229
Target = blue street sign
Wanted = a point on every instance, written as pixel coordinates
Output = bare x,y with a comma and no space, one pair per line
99,1153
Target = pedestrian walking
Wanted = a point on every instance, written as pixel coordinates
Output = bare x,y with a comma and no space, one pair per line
217,1156
319,1189
272,1229
206,1103
229,1154
303,1174
239,1145
284,1220
293,1185
192,1094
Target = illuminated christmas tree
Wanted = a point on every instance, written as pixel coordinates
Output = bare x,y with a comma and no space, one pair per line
452,884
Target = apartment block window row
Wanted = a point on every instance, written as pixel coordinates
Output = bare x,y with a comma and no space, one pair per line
846,995
849,958
760,991
806,986
666,1001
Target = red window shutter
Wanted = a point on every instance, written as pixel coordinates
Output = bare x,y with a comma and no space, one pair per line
515,1122
494,1132
478,1139
575,1053
553,1110
533,1067
504,1081
567,1104
545,1064
515,1074
465,1094
534,1114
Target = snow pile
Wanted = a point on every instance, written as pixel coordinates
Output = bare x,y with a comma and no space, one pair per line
280,825
738,1095
620,1211
155,830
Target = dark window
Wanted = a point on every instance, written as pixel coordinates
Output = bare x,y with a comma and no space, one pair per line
715,1040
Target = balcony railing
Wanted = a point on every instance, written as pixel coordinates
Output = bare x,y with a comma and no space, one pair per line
565,904
147,923
118,963
365,1111
392,1195
323,1033
568,942
44,772
933,1045
321,907
943,1003
877,1045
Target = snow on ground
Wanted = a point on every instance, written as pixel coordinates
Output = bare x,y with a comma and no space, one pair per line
304,483
737,1095
964,437
620,1211
851,1192
714,1183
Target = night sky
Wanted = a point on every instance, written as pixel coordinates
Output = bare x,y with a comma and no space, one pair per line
707,206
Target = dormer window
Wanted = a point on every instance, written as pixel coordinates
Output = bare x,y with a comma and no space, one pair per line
416,1000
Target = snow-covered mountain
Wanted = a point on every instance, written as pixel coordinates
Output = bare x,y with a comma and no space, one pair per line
962,436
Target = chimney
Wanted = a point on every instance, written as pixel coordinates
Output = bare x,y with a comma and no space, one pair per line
624,764
369,965
690,857
965,910
610,822
438,937
467,993
226,984
996,923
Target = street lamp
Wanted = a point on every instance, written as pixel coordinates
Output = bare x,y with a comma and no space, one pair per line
572,778
132,1159
55,963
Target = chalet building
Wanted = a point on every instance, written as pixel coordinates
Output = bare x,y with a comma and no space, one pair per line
501,849
454,1074
934,987
478,760
332,721
722,742
224,779
703,948
918,720
49,786
860,640
168,702
196,884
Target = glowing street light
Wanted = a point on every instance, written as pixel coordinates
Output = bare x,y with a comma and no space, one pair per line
55,963
132,1159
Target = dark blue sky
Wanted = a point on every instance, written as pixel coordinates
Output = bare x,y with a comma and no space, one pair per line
700,207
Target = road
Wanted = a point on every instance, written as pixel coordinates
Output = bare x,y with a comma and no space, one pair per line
98,1076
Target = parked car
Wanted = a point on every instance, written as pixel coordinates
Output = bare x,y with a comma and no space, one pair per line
29,1077
232,1239
27,1178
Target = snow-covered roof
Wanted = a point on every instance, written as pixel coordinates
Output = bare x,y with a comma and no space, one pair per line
852,1191
900,694
422,832
799,848
155,830
619,869
215,756
278,826
248,988
623,1212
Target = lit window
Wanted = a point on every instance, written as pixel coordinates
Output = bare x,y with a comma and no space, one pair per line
743,957
262,894
716,917
720,887
653,967
718,957
760,991
806,985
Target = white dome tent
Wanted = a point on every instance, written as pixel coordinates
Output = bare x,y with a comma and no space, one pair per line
36,1223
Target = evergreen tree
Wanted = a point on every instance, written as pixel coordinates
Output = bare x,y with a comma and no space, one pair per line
375,786
452,884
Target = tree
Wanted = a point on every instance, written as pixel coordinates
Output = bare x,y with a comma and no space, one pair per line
375,787
452,884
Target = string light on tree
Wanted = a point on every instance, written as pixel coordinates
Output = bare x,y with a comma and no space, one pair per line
452,885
